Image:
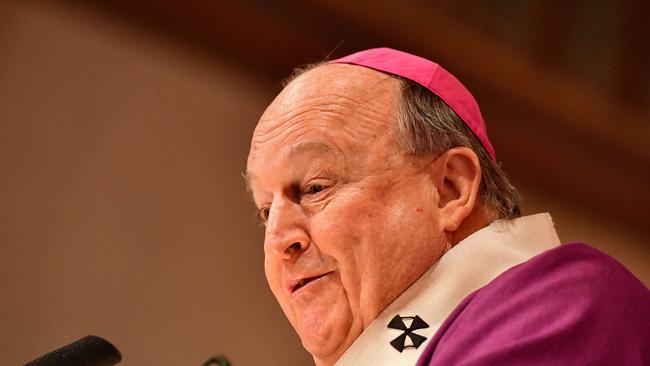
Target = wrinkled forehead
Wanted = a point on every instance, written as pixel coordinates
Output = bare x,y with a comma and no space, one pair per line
338,79
345,107
336,88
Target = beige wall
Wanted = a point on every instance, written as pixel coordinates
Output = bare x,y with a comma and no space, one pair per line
123,212
123,209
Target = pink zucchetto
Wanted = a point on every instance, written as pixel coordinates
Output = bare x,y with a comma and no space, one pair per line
431,76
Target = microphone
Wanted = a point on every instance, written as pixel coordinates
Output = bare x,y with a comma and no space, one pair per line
217,361
88,351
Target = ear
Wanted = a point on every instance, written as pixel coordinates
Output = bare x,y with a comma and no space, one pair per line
457,178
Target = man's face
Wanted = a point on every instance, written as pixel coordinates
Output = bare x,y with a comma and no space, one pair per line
350,221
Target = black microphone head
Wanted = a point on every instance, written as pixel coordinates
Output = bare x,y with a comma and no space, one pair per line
217,361
88,351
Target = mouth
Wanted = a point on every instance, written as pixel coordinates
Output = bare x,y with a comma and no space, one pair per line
301,283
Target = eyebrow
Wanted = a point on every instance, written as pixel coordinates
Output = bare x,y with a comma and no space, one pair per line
295,150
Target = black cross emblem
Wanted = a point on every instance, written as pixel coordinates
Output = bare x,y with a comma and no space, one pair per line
398,323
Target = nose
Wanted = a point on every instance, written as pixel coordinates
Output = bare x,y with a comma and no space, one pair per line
286,234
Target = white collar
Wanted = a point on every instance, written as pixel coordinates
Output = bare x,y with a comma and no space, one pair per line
466,267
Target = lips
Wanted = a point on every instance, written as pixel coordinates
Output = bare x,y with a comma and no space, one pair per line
299,283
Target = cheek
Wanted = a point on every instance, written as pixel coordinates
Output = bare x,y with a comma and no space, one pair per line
354,232
413,241
338,233
389,240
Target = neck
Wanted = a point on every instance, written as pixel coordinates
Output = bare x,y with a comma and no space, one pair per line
480,217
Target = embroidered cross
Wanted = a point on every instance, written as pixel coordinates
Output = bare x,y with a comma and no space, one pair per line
399,343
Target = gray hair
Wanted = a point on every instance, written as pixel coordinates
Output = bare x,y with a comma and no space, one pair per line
428,126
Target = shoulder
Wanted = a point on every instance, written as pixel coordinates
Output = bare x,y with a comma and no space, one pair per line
569,305
570,271
573,284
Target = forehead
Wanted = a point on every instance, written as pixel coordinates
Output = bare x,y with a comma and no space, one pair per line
330,82
341,109
330,100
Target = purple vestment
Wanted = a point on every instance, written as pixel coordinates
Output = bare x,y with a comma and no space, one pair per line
571,305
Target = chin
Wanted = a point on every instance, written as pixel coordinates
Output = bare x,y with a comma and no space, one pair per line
326,341
321,343
324,354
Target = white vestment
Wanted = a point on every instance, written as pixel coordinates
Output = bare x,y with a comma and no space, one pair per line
468,266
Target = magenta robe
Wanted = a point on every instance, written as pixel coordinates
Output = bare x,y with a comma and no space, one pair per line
572,305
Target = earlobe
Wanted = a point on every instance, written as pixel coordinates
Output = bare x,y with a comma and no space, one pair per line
457,179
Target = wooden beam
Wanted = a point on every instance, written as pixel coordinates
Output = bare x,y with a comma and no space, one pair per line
632,52
551,33
504,68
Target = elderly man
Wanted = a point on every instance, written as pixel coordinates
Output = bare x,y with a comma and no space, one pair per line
394,238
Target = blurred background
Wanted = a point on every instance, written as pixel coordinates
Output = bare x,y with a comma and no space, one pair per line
124,127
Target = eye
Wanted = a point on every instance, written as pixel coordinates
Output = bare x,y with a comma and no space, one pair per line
314,188
263,213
